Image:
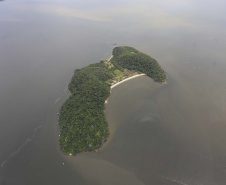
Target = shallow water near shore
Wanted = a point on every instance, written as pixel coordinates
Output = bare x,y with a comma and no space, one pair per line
171,134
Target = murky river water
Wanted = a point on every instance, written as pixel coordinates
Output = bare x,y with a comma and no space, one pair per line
172,134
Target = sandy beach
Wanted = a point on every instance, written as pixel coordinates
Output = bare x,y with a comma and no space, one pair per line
106,101
110,58
127,79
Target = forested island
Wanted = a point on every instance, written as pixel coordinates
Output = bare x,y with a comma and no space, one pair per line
81,119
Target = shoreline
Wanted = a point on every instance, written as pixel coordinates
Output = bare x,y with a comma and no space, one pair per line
106,101
115,76
118,83
110,58
142,74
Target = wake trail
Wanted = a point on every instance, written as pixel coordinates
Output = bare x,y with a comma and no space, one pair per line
174,180
61,95
21,146
57,100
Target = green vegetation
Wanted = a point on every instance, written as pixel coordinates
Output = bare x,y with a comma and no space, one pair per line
82,120
130,58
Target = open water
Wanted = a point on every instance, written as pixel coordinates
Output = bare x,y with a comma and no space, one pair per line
172,134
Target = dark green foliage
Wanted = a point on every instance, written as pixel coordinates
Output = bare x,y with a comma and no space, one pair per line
131,59
82,120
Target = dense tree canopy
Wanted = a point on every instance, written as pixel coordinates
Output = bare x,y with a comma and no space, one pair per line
82,120
130,58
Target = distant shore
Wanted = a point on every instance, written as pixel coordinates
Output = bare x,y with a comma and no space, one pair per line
127,80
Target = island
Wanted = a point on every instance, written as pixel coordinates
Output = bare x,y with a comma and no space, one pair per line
82,121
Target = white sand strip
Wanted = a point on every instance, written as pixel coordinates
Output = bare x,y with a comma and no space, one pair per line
110,58
127,79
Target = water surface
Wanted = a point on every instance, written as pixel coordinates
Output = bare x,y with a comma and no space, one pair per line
160,134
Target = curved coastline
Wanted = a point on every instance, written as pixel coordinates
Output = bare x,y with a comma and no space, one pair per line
82,119
120,82
142,74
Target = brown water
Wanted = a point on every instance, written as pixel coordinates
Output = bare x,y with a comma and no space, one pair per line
160,134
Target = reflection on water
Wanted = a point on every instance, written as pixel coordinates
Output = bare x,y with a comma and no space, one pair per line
160,134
